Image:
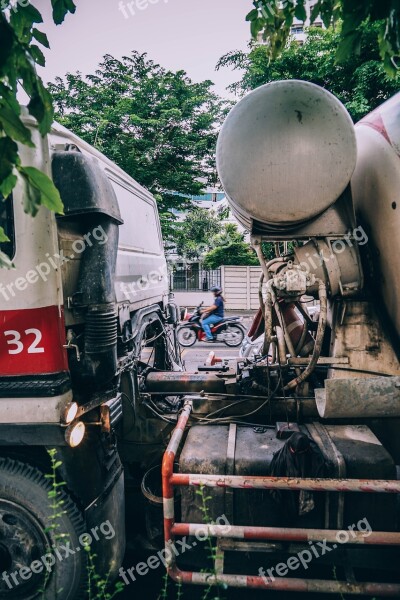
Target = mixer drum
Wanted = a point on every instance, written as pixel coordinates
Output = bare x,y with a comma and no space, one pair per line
285,154
375,187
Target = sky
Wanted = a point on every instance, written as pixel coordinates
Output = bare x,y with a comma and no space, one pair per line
178,34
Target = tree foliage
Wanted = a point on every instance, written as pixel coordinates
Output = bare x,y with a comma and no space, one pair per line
20,52
360,82
273,19
237,254
157,125
197,233
202,236
229,248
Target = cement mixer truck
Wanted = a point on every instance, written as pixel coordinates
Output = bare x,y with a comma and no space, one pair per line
300,456
278,473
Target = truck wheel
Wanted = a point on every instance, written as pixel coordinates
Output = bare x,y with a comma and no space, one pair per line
30,566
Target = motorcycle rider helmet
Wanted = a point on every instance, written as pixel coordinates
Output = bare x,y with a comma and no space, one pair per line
216,290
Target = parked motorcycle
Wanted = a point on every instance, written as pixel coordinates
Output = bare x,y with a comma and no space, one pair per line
230,331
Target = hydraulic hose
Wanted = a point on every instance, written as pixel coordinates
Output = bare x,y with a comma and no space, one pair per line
318,340
268,321
302,339
266,308
281,345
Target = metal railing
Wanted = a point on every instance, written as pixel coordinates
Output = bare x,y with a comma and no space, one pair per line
192,280
173,529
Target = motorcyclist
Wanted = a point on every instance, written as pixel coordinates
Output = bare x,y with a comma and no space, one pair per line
213,314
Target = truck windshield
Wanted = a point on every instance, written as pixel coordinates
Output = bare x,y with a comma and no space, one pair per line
7,223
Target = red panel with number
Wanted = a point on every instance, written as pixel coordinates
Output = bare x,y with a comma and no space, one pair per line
31,341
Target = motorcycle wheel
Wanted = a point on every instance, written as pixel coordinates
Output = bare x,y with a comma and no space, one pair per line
234,336
186,337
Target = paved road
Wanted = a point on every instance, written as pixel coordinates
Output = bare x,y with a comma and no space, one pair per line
198,354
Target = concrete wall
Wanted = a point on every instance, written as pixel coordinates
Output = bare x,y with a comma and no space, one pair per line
240,285
192,299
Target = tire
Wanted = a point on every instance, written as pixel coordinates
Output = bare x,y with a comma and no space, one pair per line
26,536
187,337
233,336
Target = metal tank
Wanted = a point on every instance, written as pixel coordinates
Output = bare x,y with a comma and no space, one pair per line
285,154
376,192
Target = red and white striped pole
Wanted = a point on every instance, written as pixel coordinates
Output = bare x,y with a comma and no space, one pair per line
284,534
170,479
167,485
372,486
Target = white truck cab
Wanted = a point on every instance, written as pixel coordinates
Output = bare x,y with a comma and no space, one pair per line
86,290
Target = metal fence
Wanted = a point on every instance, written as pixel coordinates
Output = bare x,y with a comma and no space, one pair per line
192,280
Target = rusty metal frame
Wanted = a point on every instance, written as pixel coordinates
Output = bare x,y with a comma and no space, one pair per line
172,529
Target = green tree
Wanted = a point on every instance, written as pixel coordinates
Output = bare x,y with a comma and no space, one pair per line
238,253
157,125
229,248
196,234
229,234
360,82
273,19
20,52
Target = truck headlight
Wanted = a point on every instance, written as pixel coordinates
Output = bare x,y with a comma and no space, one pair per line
70,412
75,433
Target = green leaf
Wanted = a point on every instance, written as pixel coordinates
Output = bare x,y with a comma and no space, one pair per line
44,191
253,14
7,185
41,107
5,261
300,11
349,45
41,37
3,237
37,55
8,97
31,197
8,157
21,21
315,12
256,26
61,8
14,127
7,41
30,13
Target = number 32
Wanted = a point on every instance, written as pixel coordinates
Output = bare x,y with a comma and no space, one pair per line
18,346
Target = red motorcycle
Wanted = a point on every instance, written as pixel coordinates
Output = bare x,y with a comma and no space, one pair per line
230,331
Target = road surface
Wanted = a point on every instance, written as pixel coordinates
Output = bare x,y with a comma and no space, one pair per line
193,357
